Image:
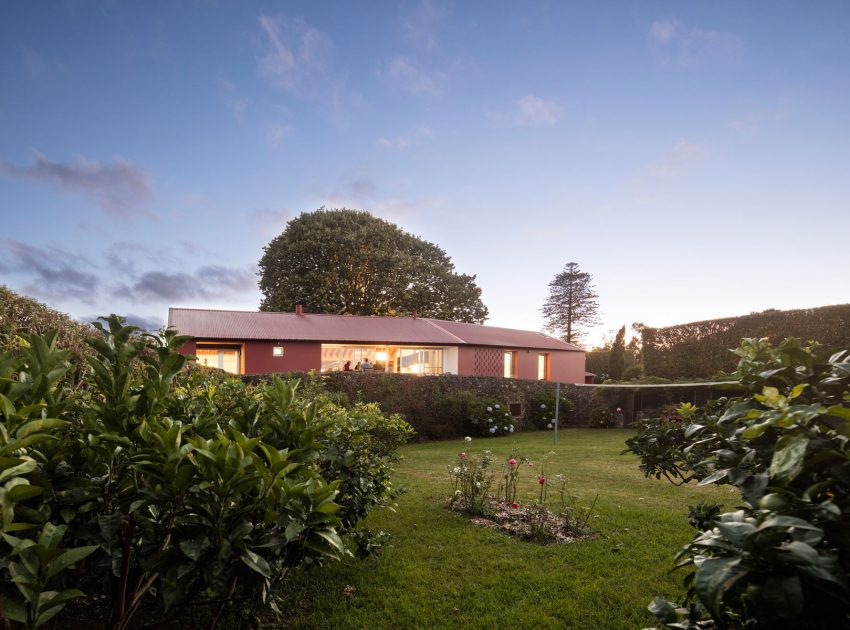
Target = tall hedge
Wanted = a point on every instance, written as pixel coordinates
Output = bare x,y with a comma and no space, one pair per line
702,349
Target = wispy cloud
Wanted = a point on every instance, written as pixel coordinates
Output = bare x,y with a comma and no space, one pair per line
49,272
298,58
676,159
421,22
357,190
414,78
206,283
120,188
237,104
684,46
757,120
405,140
533,111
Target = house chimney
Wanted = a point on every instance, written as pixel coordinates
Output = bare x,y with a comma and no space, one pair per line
299,310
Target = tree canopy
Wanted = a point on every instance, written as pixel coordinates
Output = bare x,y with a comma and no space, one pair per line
349,262
572,304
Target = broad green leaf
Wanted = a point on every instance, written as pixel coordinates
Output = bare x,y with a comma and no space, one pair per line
788,456
22,492
333,540
25,442
13,609
69,558
257,563
40,426
714,578
7,407
25,467
194,549
770,397
798,389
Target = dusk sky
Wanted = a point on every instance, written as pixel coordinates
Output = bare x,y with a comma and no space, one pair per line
693,157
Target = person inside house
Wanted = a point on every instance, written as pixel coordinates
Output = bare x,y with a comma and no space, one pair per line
367,365
347,366
357,367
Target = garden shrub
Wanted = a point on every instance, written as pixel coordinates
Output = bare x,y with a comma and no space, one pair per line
540,410
436,406
601,417
783,558
149,487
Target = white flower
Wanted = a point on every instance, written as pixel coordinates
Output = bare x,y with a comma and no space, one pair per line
467,439
490,408
543,406
512,429
497,407
458,493
507,414
489,419
505,428
477,484
456,470
492,429
550,425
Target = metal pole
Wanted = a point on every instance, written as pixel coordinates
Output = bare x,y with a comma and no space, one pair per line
557,405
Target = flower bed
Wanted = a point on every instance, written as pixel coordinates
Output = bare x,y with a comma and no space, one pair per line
473,476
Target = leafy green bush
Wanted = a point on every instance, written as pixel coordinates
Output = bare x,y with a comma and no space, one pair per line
601,417
359,450
783,559
150,486
540,410
492,418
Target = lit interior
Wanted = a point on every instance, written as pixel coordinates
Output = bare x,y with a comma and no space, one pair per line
226,359
395,359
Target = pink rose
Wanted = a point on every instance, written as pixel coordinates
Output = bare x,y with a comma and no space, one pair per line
541,480
514,505
512,461
462,455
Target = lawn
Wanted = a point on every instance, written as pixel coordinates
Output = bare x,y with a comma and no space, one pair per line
442,571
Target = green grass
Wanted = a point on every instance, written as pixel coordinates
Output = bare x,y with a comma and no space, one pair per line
442,571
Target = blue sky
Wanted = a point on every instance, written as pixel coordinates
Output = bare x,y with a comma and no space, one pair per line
693,157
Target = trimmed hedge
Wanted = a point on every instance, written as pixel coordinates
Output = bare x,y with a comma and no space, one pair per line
441,407
702,349
21,315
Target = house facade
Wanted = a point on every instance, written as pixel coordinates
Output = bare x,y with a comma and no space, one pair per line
254,342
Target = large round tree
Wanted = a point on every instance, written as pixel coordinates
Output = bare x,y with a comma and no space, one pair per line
349,262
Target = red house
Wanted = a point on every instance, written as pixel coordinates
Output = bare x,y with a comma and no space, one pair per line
252,342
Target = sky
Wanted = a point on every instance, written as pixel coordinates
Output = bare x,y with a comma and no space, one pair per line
694,158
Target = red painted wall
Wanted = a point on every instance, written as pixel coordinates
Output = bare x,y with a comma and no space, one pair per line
298,356
302,356
564,366
465,360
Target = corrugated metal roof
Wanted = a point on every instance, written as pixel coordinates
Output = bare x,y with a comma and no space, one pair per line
219,324
476,335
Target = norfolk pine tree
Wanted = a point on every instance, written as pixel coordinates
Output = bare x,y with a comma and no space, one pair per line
572,304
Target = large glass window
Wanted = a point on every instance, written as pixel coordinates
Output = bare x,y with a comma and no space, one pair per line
406,360
510,364
227,359
543,367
